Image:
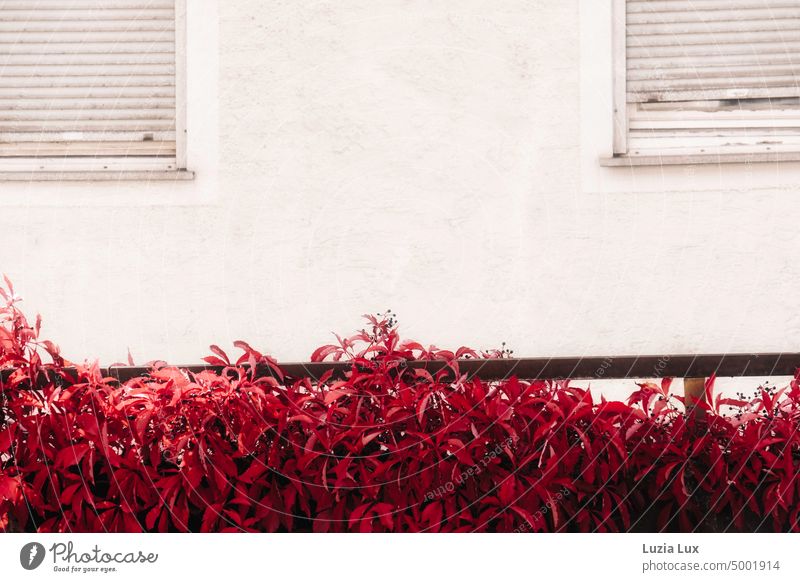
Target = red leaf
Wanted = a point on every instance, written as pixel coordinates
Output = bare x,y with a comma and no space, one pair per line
322,352
334,395
9,488
71,455
506,491
358,513
421,409
6,437
152,516
218,351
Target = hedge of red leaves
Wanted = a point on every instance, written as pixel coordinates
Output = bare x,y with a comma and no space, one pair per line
385,449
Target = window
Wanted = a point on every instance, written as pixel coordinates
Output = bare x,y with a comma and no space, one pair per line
706,81
92,86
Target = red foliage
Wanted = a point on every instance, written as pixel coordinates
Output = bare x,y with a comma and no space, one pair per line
387,448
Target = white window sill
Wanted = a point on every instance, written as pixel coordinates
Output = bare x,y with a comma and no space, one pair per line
98,176
693,159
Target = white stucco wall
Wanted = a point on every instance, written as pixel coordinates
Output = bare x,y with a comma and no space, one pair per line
435,158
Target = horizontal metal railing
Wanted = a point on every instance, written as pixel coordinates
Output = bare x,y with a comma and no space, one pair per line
578,368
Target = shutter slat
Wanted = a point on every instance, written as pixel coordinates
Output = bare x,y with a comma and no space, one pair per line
715,39
87,104
89,71
86,36
82,91
655,64
65,125
713,122
57,26
129,136
158,58
711,83
714,28
89,59
86,15
687,139
682,50
54,5
716,125
33,86
789,47
87,78
50,115
772,70
107,48
716,116
704,16
55,164
684,6
718,93
87,148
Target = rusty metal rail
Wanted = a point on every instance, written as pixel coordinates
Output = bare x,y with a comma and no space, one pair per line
597,368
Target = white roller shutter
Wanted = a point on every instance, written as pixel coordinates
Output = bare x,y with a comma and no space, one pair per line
88,79
684,50
708,77
728,129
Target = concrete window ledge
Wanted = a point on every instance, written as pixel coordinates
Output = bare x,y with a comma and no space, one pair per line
693,159
99,176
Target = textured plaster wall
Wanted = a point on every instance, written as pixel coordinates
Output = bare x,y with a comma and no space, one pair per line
435,158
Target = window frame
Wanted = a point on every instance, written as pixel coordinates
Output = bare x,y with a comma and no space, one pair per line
120,168
620,147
